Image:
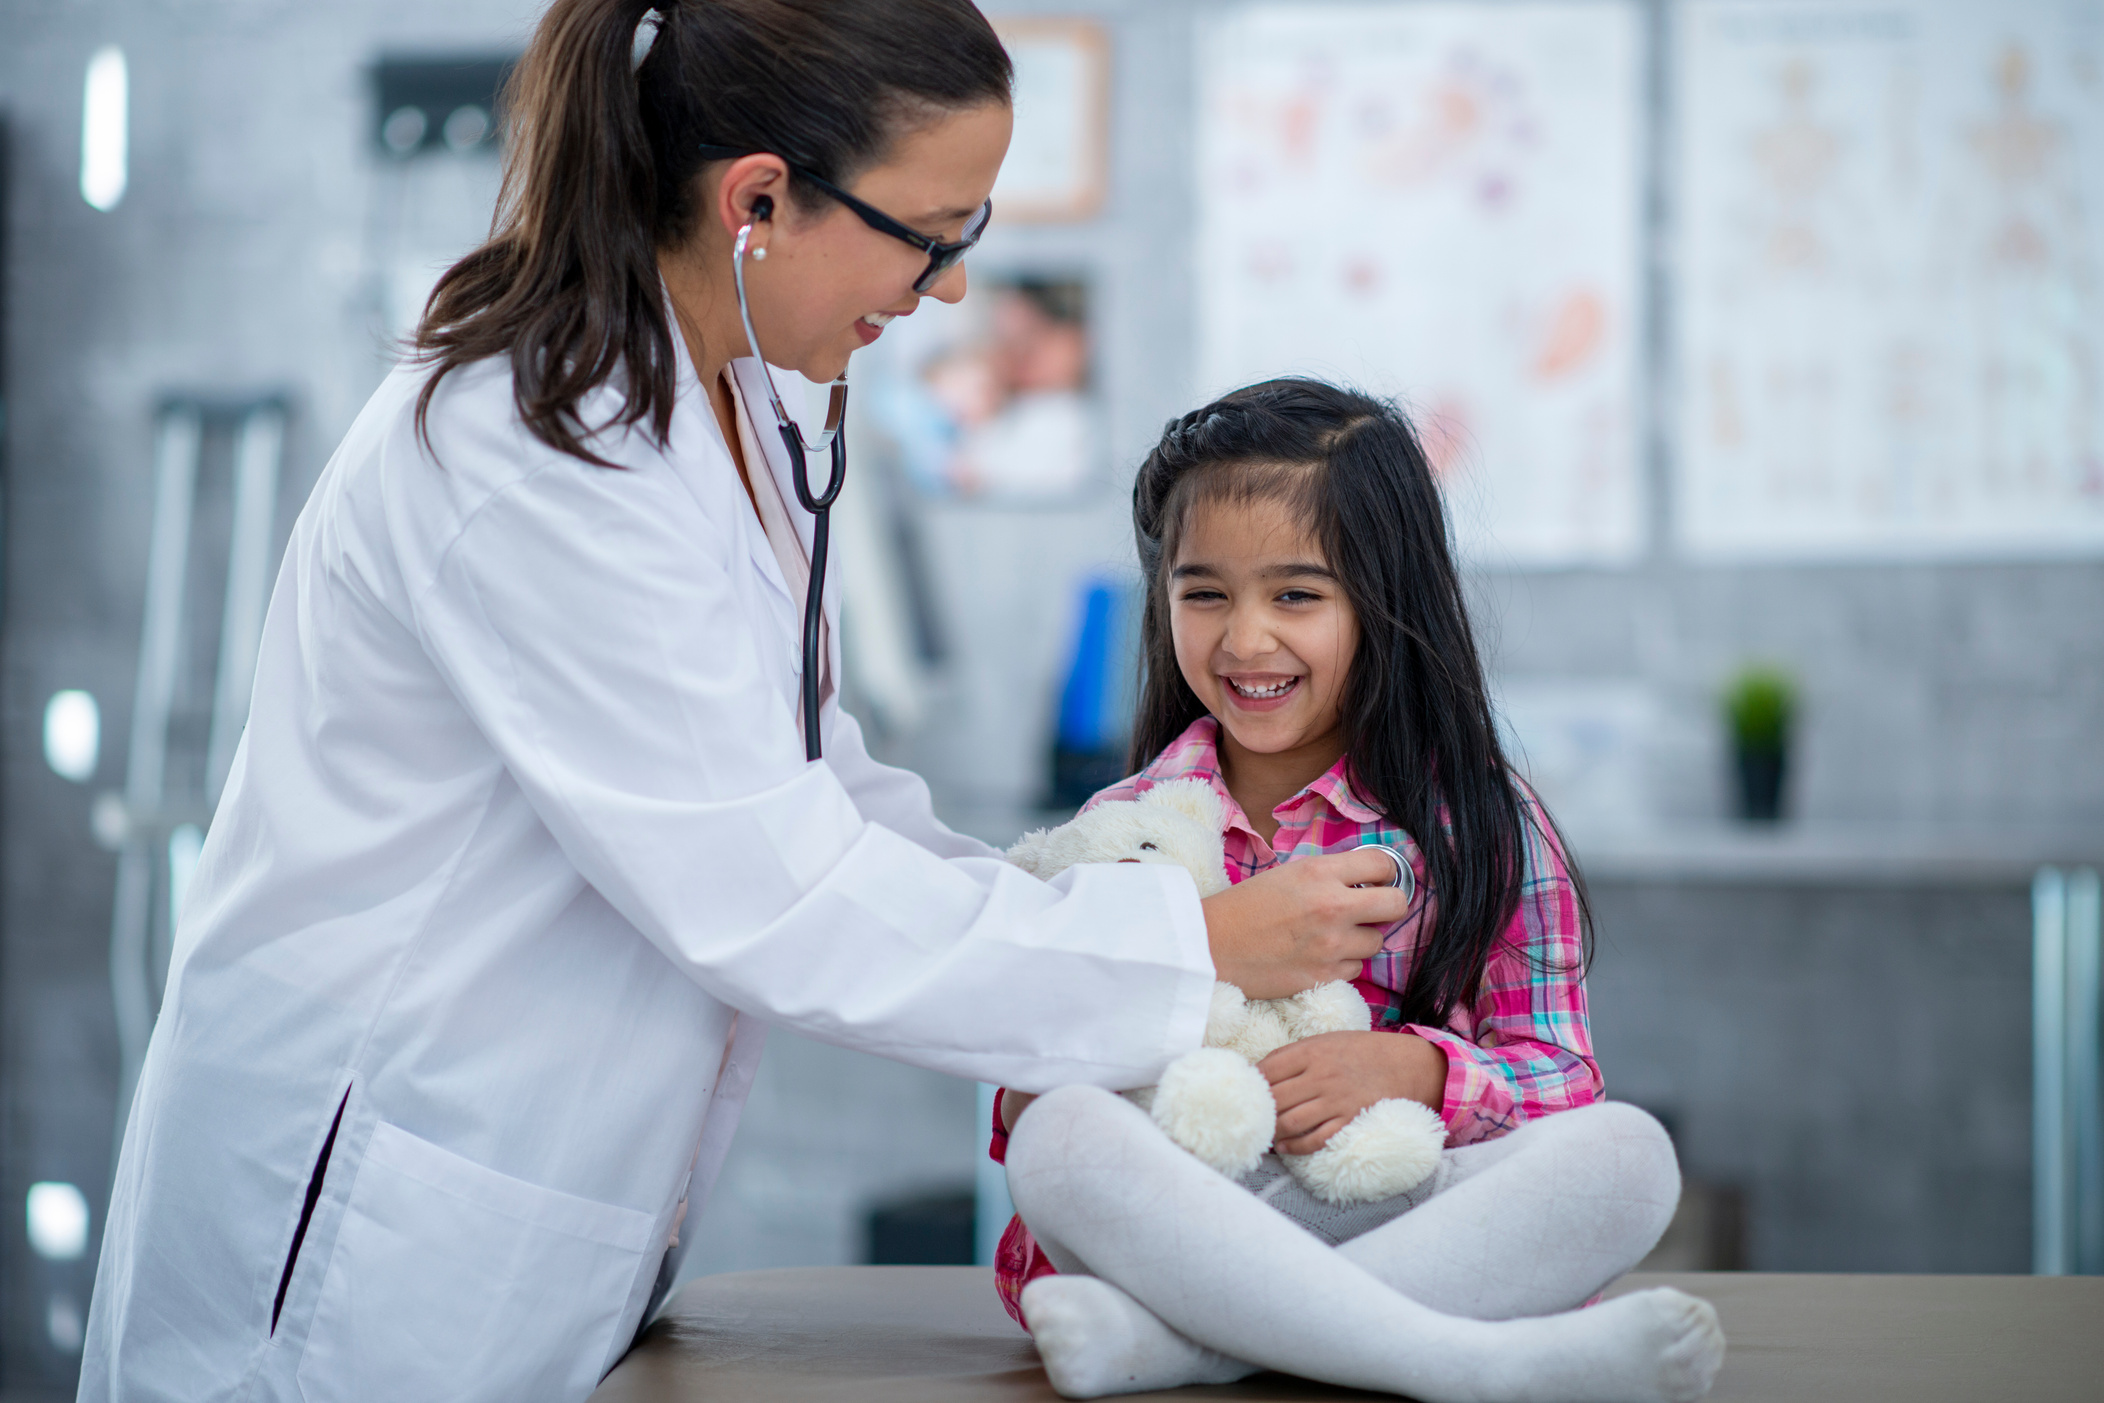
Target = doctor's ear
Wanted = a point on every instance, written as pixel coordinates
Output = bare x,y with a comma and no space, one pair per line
749,193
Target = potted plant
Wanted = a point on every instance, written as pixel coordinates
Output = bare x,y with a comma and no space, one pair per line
1760,704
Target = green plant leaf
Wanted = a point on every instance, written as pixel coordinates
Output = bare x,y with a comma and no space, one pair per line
1760,702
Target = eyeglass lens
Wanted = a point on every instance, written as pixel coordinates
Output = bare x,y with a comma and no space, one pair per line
947,256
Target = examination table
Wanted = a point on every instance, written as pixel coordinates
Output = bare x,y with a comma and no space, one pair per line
938,1335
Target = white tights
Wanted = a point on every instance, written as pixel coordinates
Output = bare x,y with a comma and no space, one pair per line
1173,1275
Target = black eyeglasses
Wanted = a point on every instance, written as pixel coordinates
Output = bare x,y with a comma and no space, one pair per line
941,256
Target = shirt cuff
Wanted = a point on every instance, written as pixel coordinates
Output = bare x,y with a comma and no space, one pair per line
1467,1119
997,1147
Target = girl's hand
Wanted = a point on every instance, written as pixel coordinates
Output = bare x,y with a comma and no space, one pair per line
1320,1083
1303,923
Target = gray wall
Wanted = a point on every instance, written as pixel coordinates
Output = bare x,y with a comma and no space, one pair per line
243,257
1855,1058
253,250
1936,695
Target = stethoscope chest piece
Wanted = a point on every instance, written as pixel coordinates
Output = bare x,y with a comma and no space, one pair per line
1404,877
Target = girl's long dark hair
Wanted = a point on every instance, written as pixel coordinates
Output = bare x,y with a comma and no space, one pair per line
1418,730
602,154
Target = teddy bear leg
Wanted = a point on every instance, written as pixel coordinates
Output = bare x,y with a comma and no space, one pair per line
1389,1148
1217,1106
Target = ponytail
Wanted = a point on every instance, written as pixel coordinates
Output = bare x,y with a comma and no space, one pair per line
601,166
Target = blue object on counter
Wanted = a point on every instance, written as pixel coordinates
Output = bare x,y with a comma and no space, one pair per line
1096,704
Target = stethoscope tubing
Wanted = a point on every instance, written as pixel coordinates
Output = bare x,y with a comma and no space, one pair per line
821,509
819,504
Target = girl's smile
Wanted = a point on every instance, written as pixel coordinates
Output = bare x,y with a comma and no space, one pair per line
1252,693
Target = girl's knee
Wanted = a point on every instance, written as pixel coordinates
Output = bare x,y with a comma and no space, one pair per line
1628,1137
1056,1158
1637,1151
1064,1117
1627,1124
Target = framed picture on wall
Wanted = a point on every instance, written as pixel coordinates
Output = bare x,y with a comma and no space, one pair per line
1058,168
1442,201
993,399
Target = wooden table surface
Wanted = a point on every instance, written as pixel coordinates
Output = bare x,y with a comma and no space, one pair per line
938,1335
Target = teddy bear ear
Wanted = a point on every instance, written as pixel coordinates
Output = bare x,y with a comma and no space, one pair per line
1029,852
1193,798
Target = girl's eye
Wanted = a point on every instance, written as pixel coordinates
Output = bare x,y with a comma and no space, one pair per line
1299,596
1201,596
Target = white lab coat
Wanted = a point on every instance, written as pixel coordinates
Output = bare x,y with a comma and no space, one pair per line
518,857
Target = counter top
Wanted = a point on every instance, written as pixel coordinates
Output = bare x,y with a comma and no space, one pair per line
1833,854
938,1335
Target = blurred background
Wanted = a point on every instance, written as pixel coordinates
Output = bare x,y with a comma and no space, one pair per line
1760,347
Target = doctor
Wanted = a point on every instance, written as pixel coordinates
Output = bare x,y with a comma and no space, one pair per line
521,851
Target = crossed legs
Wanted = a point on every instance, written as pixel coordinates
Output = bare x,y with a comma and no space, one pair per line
1188,1274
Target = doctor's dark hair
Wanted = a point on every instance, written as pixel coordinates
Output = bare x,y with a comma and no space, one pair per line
1419,736
602,155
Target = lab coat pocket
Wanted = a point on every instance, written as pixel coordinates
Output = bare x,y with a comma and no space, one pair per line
451,1281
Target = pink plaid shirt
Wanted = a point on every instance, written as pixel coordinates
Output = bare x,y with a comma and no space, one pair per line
1520,1048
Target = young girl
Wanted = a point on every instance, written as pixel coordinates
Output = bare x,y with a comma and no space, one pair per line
1308,653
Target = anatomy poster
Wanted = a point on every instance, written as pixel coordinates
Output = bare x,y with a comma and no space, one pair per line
1441,202
1891,332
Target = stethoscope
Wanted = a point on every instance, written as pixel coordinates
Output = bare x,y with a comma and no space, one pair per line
1404,876
820,504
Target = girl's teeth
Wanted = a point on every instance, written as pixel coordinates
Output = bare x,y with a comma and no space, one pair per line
877,319
1270,690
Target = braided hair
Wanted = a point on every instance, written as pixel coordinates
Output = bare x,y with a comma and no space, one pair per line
1420,741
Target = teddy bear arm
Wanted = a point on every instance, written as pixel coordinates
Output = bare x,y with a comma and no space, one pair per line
1389,1148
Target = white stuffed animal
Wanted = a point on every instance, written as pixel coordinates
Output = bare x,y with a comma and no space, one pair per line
1214,1102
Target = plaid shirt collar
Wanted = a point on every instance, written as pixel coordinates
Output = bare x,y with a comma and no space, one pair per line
1196,755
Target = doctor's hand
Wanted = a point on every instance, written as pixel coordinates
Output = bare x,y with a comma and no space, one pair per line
1303,923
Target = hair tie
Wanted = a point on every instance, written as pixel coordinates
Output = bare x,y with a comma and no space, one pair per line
648,26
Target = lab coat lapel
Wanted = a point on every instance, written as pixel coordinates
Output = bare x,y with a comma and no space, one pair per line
699,454
754,389
698,450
